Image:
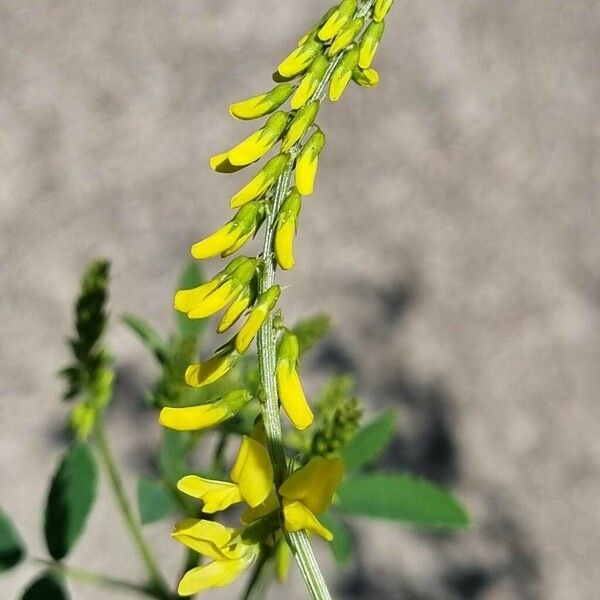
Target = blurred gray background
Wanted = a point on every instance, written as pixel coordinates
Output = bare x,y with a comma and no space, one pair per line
453,236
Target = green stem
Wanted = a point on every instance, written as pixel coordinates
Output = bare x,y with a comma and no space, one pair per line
156,581
94,578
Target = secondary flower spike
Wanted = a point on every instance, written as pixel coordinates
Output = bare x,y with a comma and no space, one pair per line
308,161
308,492
262,104
194,418
289,388
285,231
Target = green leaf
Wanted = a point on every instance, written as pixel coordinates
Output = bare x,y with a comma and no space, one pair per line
342,545
154,500
46,587
70,499
309,331
12,549
369,442
191,276
149,336
400,497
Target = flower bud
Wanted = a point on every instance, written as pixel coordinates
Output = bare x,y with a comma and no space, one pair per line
369,43
253,147
381,8
299,126
262,181
286,229
300,59
262,104
346,36
342,74
338,18
309,82
365,77
82,420
263,306
307,162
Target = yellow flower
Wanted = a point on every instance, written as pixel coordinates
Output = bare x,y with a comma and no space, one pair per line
262,181
300,59
309,83
342,74
300,124
346,36
193,418
251,480
262,104
236,309
253,147
230,554
201,374
381,8
365,77
337,19
264,305
307,163
233,235
308,492
286,229
369,43
289,389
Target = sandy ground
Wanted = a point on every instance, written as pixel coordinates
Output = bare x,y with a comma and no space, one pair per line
453,236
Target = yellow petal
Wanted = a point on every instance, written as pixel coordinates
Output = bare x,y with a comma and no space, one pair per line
218,573
306,171
297,517
305,90
217,242
216,495
284,243
291,396
262,510
250,328
300,59
315,483
253,189
338,85
193,418
201,374
234,312
253,472
381,9
186,300
214,301
367,52
221,164
205,537
262,104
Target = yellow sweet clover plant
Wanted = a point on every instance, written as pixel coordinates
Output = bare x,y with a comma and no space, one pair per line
292,477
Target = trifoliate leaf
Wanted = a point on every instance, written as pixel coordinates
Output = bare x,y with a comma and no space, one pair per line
191,277
342,545
369,441
154,500
70,500
149,336
309,331
46,587
400,497
12,549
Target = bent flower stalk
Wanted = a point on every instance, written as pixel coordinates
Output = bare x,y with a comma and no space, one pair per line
284,497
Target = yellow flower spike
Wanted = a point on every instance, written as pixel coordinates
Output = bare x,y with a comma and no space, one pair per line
315,483
235,310
307,163
309,83
346,36
369,43
218,573
262,104
201,374
285,230
300,124
194,418
339,17
342,74
297,517
289,389
205,537
381,9
365,77
253,472
261,182
216,495
300,59
260,142
264,305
